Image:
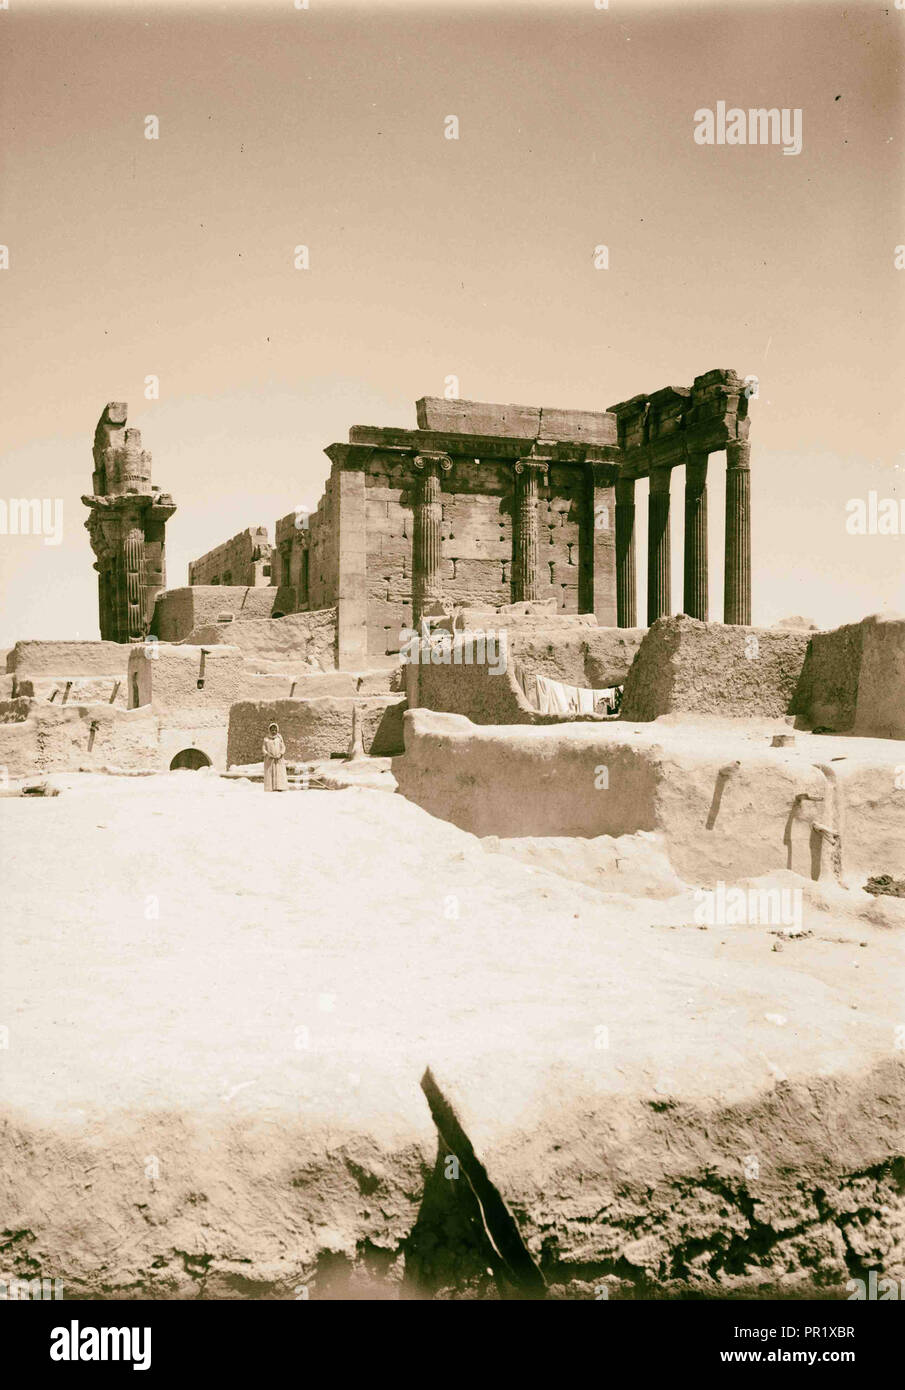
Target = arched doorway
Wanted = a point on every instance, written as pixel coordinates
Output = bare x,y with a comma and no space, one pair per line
190,759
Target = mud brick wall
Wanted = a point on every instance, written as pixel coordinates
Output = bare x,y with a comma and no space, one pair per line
827,692
68,658
684,666
315,728
881,684
178,611
52,738
167,677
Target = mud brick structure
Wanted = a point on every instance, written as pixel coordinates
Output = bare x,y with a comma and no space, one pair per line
126,523
243,560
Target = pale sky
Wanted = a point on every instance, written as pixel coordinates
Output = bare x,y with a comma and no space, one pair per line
432,257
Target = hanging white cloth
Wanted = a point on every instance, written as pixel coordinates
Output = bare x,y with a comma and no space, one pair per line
555,697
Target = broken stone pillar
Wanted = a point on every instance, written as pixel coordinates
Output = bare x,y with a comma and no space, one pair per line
737,580
524,560
696,600
127,524
626,587
659,601
427,542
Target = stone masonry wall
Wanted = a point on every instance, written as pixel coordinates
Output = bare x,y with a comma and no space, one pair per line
476,538
242,560
323,550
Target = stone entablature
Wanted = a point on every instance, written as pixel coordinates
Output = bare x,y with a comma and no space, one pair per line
656,433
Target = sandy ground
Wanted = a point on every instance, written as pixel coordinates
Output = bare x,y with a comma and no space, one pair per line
237,987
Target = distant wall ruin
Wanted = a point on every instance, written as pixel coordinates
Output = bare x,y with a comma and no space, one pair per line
245,560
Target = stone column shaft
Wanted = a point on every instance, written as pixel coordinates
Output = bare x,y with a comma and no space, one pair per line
133,572
659,559
696,598
737,585
427,543
525,531
626,586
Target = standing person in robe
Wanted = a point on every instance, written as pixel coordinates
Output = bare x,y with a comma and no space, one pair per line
275,779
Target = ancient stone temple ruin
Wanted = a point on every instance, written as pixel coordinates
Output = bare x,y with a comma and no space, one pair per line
127,522
485,505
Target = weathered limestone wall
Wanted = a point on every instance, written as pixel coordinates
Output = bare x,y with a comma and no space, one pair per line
476,538
244,560
68,659
729,806
290,560
688,667
316,728
323,548
178,611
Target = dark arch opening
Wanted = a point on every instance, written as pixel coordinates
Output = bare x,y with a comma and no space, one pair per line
190,759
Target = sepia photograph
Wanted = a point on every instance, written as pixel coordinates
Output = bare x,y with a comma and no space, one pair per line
452,646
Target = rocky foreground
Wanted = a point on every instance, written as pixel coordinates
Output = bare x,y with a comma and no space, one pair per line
222,1005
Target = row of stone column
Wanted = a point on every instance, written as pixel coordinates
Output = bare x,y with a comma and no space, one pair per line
427,586
695,598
